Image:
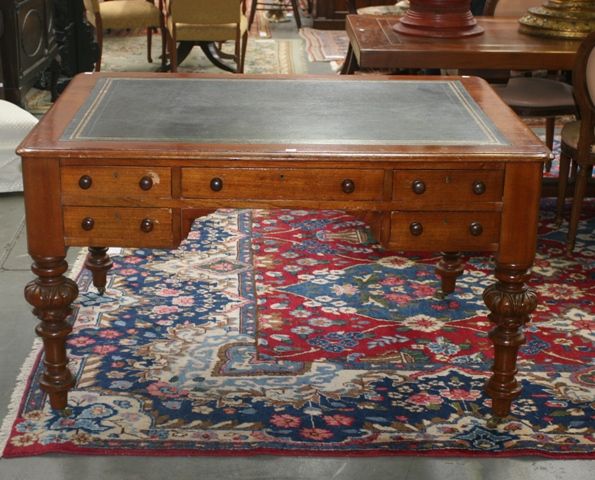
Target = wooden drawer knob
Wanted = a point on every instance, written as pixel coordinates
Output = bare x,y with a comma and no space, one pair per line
87,224
147,225
416,229
418,187
479,187
216,184
348,185
146,183
85,182
476,229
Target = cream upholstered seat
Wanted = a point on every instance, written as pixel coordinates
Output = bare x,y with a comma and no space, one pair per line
15,124
123,14
578,138
207,21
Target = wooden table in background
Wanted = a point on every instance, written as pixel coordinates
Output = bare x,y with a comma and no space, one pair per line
466,177
374,44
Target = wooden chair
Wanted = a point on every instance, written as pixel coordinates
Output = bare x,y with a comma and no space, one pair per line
270,5
531,96
206,21
124,14
578,138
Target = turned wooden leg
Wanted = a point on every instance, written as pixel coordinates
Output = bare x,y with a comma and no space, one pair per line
98,263
510,302
51,294
449,268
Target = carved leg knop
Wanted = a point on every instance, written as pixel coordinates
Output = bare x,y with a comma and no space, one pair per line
51,294
98,263
449,268
511,302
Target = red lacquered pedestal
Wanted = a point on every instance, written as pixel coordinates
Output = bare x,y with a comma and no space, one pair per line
439,19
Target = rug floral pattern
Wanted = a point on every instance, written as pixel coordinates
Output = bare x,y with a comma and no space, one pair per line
179,356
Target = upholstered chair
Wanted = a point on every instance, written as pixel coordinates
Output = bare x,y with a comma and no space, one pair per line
206,21
125,14
578,138
15,124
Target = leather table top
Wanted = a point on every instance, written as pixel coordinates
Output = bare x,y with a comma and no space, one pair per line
292,111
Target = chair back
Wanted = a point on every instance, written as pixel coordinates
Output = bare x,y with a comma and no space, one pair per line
583,80
91,6
205,12
509,8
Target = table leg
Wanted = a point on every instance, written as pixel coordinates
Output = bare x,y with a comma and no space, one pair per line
98,263
210,51
350,64
510,301
449,268
51,294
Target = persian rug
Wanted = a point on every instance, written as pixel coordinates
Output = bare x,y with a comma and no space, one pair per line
181,355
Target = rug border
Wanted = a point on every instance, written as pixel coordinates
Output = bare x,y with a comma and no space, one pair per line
182,452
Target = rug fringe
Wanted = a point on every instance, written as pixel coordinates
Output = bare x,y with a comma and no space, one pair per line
22,382
26,370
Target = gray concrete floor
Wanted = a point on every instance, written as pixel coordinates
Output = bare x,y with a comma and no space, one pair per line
16,338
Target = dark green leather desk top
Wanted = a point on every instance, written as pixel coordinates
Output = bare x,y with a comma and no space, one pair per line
293,111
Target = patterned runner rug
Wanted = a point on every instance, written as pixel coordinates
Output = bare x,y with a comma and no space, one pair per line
167,361
325,45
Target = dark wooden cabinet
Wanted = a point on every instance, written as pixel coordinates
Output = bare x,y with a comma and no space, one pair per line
330,14
28,46
75,38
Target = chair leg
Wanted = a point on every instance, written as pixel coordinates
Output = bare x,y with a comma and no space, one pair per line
550,124
579,193
252,13
562,186
149,42
100,48
237,49
243,52
296,13
163,48
173,54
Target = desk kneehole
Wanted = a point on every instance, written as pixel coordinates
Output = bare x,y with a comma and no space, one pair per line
121,227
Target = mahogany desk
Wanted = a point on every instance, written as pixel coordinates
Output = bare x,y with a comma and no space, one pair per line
373,44
127,159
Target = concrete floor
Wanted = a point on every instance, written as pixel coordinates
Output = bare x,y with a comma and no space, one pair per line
16,338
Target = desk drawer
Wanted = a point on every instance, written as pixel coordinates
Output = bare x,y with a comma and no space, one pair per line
118,227
444,230
115,182
445,187
279,183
